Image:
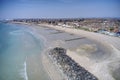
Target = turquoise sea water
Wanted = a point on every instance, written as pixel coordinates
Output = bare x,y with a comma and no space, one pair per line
16,43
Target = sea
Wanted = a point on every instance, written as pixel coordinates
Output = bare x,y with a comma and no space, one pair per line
17,43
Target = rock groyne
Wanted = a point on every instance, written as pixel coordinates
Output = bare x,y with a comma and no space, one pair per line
68,66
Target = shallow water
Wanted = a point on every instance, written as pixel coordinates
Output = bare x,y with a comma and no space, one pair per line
16,45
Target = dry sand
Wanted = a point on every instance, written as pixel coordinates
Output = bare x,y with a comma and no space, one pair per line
103,69
98,53
51,68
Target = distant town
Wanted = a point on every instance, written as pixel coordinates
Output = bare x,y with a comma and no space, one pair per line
107,26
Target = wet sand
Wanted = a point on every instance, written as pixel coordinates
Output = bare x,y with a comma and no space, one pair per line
51,69
93,54
35,69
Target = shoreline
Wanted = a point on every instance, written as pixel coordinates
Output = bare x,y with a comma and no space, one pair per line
93,65
51,68
83,33
25,71
68,66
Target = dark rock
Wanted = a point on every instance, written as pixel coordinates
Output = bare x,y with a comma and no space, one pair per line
69,67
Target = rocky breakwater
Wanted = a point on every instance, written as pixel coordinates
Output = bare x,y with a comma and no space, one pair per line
71,69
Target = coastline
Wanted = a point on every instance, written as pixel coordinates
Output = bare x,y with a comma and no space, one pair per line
92,65
51,69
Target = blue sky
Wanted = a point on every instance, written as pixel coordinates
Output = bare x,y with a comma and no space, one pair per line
59,8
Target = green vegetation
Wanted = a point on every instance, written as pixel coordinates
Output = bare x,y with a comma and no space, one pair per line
82,28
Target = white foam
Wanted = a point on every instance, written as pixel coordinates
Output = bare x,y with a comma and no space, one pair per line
24,71
17,32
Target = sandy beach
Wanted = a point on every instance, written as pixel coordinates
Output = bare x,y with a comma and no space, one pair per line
59,40
95,52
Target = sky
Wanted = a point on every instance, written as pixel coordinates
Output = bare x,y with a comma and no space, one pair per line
10,9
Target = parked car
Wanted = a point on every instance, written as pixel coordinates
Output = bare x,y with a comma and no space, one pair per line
102,31
112,34
118,34
106,32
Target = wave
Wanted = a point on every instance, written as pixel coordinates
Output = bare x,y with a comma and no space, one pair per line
24,71
16,32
